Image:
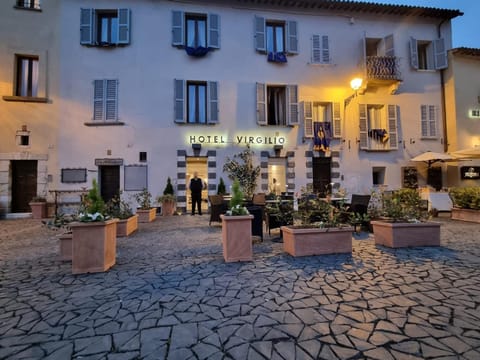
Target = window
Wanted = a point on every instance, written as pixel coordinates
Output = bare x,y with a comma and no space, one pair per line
428,121
321,112
428,55
195,30
196,102
142,156
320,50
29,4
105,94
104,27
27,76
378,127
136,177
275,36
277,104
74,175
378,175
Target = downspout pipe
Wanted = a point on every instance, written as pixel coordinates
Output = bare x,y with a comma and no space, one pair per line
443,97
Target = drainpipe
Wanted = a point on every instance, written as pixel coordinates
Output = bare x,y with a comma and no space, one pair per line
444,101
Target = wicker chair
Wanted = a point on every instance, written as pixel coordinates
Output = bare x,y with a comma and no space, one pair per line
217,208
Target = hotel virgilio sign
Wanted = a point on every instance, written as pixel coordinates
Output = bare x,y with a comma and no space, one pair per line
237,139
470,172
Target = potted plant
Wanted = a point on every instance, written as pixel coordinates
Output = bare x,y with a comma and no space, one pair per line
236,229
466,204
94,236
146,213
221,189
121,210
38,204
317,230
168,199
241,168
404,222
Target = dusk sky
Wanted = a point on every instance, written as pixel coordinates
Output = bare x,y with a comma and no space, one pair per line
466,28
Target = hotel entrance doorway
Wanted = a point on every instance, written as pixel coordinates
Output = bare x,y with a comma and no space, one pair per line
199,165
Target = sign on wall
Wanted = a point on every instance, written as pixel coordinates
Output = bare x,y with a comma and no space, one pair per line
470,172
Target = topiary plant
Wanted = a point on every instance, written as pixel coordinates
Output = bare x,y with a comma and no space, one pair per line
236,202
168,193
221,190
93,206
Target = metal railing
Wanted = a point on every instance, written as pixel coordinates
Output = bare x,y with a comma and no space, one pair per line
382,68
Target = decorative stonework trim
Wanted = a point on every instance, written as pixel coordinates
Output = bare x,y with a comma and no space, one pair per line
182,153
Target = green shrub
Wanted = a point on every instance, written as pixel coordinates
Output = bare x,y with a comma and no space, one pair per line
466,197
236,202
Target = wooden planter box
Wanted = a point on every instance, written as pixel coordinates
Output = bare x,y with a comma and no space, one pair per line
316,241
465,215
145,216
65,246
127,226
93,246
237,238
406,234
39,210
168,208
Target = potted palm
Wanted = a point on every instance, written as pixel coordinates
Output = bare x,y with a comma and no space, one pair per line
93,236
236,229
168,199
121,210
403,223
466,204
38,204
146,213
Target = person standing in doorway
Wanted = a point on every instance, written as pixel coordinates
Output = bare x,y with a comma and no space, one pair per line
196,187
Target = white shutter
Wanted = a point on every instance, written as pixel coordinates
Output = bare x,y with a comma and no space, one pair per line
363,121
292,105
316,50
440,52
308,119
213,40
325,50
212,101
392,126
389,48
86,26
432,115
178,27
123,26
98,99
337,120
111,96
179,101
413,53
292,41
424,120
260,40
261,104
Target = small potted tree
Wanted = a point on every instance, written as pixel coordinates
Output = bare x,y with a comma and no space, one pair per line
121,210
146,213
94,236
221,189
237,229
168,199
38,204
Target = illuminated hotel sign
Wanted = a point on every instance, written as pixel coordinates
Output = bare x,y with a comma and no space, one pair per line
475,113
470,172
236,140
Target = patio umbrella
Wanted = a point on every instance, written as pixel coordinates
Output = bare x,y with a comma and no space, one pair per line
431,157
472,153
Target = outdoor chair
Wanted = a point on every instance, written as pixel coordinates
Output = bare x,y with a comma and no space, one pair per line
217,208
359,205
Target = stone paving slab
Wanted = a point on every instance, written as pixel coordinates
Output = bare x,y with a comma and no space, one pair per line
171,296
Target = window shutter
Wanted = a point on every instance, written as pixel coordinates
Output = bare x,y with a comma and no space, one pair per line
123,26
413,53
363,121
389,49
440,57
98,99
292,105
179,101
307,119
337,120
178,26
392,126
325,50
316,50
111,96
432,112
212,96
292,41
261,104
260,40
424,120
86,26
213,31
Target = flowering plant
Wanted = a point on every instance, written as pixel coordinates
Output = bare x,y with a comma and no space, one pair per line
244,171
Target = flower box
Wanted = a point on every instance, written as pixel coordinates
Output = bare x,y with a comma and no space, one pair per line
145,216
39,209
168,207
317,241
237,237
401,234
465,215
127,226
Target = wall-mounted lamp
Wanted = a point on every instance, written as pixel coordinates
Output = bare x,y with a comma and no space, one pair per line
355,84
412,141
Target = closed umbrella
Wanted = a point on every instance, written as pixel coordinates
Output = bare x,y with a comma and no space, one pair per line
431,157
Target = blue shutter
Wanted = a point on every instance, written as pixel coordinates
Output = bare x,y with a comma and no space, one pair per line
292,105
440,54
111,96
179,101
178,26
260,39
316,50
261,104
123,26
325,50
98,99
414,53
212,98
389,47
213,31
86,26
292,41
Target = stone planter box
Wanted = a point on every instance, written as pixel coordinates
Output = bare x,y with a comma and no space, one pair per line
465,215
168,208
316,241
127,226
39,210
93,246
145,216
65,246
237,238
397,235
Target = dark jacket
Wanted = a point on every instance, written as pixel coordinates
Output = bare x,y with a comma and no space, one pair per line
196,185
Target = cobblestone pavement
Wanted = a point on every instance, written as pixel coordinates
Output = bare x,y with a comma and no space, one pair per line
171,296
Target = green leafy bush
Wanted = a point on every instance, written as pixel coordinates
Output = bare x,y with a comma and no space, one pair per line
466,197
117,208
144,199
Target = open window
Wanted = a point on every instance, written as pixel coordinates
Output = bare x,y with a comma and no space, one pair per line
196,33
276,38
428,55
277,105
322,112
378,127
104,27
196,102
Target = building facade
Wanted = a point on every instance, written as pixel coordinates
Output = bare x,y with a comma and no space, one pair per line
158,89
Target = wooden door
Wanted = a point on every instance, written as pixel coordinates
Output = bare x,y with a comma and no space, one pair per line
109,182
24,184
322,175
